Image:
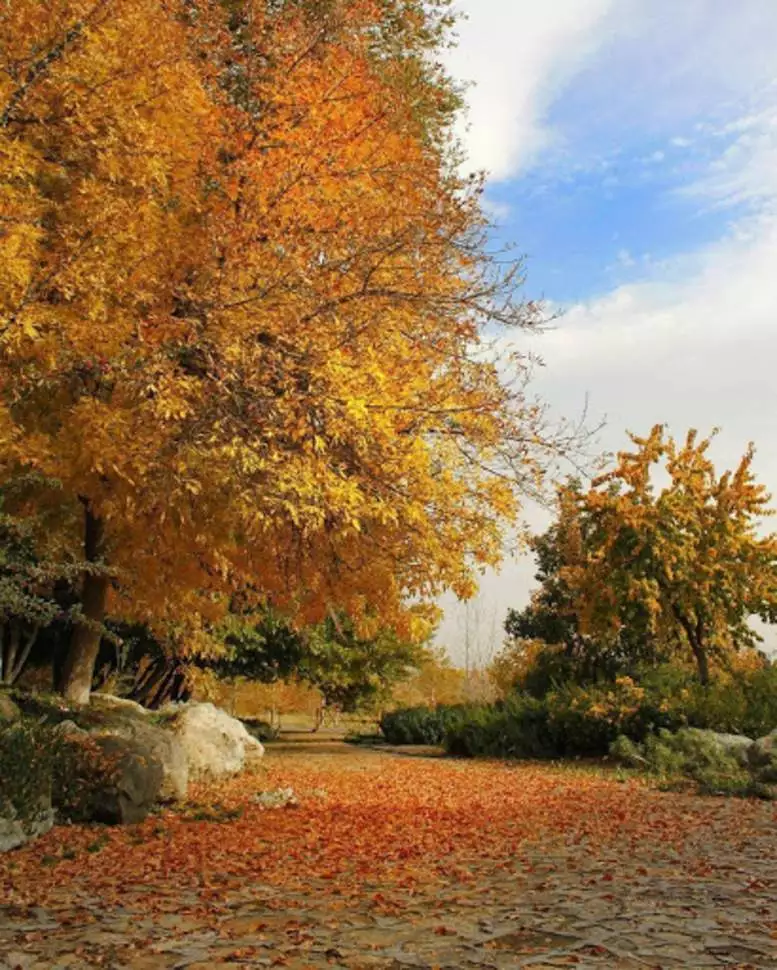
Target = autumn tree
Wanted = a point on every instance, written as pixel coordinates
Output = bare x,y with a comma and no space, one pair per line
547,641
244,293
684,563
435,681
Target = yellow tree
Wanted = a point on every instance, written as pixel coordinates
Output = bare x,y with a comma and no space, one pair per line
684,564
243,301
436,681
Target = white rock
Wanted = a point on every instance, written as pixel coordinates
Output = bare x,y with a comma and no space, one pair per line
216,745
736,746
117,717
13,833
280,798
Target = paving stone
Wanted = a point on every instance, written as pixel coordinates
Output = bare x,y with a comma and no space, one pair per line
561,914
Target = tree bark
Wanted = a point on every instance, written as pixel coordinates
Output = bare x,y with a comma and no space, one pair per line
703,664
695,634
14,662
79,667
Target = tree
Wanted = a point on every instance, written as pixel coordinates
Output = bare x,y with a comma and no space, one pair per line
36,583
436,681
685,564
243,300
352,672
547,643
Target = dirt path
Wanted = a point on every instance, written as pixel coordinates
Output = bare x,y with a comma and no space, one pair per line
393,862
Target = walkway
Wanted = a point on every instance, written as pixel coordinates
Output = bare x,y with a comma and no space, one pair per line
402,862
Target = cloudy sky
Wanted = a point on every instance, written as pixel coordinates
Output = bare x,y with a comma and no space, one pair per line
632,152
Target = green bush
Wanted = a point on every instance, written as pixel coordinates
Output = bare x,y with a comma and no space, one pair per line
576,720
261,730
27,759
689,756
419,725
744,702
515,728
569,721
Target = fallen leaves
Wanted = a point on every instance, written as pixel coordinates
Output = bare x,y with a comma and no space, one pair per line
388,824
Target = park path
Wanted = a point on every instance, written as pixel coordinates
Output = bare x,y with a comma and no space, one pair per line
398,861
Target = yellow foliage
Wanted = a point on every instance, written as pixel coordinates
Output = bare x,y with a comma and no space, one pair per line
436,681
241,309
686,564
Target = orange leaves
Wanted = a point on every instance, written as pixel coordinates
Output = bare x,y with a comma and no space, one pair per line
367,825
685,563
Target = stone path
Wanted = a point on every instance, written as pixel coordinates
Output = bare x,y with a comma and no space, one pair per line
560,907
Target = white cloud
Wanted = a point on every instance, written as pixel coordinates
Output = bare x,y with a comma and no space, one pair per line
497,210
691,344
745,172
518,53
697,352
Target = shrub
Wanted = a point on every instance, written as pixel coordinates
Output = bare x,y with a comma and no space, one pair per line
737,702
585,720
261,730
81,776
419,725
515,728
688,756
27,759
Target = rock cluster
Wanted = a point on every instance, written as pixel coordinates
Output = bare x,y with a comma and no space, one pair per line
153,756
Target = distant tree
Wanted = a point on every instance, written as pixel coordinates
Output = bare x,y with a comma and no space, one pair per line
259,645
354,671
546,642
435,681
684,564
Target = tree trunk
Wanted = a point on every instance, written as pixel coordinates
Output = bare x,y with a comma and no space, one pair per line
702,662
14,655
696,635
85,643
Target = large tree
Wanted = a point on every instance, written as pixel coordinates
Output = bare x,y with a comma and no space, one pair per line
243,299
678,557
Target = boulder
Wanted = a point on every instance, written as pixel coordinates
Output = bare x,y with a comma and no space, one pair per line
13,833
68,729
119,718
159,745
762,756
121,705
146,764
8,710
216,745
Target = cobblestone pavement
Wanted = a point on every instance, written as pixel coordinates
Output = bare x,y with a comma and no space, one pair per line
560,907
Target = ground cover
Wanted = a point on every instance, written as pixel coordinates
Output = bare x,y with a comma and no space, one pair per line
392,860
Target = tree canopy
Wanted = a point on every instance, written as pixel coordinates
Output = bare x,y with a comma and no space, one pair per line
680,564
244,293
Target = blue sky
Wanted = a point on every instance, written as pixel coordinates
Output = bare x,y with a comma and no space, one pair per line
585,232
632,152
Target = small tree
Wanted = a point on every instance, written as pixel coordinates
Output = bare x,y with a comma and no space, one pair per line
354,671
36,585
546,642
436,681
684,565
